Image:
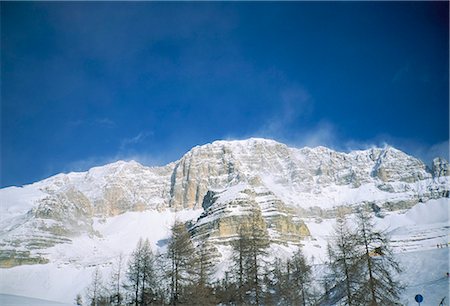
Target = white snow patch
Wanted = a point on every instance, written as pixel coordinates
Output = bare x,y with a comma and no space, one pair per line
17,201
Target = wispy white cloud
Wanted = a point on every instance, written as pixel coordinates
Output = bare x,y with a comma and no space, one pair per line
327,134
428,153
129,150
105,122
87,163
424,152
143,158
97,122
440,149
295,102
126,143
323,134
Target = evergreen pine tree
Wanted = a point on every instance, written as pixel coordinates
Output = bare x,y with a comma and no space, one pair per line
259,242
342,252
226,290
362,264
278,283
206,265
290,281
116,279
201,291
95,291
377,264
249,250
299,276
240,257
141,276
182,262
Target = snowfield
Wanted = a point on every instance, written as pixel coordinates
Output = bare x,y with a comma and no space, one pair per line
15,300
72,264
424,272
415,235
83,220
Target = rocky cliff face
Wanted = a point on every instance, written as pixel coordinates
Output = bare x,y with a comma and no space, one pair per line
226,210
440,167
306,170
228,179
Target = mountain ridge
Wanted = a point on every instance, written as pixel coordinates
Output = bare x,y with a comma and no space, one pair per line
121,162
72,223
224,159
305,182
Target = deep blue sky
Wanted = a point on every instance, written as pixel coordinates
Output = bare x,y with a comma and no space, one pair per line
83,84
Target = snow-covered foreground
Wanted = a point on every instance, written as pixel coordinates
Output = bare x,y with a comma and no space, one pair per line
424,272
13,300
415,236
71,265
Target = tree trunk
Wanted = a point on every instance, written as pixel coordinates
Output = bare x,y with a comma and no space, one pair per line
369,266
255,262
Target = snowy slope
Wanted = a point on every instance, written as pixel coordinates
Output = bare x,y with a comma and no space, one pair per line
424,266
77,221
15,300
72,264
424,272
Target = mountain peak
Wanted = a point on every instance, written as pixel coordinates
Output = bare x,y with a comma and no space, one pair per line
119,164
227,178
244,142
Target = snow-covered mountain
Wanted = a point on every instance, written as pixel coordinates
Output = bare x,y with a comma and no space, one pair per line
74,221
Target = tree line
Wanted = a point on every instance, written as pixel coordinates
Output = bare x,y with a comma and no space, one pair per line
360,270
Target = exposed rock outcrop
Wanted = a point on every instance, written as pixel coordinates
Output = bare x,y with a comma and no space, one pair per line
285,184
227,210
440,167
